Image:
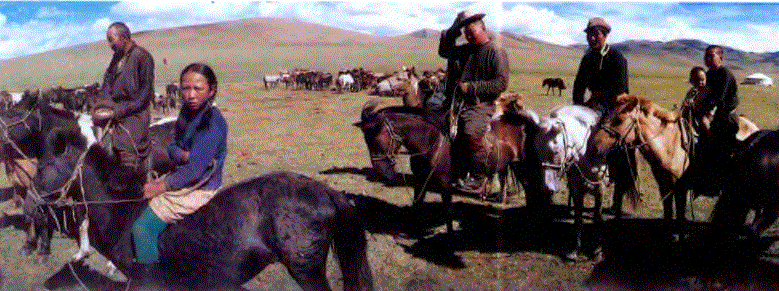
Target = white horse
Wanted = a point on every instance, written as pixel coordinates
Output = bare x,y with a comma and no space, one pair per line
271,81
561,143
345,81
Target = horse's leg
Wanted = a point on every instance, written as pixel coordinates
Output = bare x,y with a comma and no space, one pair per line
47,230
578,201
84,248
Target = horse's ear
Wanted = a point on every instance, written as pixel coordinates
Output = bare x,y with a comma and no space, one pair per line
665,116
628,102
645,105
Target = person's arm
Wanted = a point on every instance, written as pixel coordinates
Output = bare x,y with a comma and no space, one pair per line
494,86
622,76
204,151
729,93
579,84
141,97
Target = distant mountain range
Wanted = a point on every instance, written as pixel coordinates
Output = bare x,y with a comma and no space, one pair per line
684,50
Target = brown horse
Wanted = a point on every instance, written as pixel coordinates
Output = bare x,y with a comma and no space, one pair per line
385,130
408,88
637,122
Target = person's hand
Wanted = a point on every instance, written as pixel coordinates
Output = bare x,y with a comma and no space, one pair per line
464,87
153,188
185,155
459,19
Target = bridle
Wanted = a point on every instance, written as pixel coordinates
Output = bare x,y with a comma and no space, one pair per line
395,141
566,162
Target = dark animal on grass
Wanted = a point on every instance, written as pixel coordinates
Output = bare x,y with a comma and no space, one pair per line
753,185
27,125
280,217
552,83
386,129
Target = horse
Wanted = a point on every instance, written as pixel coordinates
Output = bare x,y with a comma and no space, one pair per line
271,81
637,122
408,88
279,217
511,127
386,129
345,81
560,142
553,83
26,126
753,185
172,92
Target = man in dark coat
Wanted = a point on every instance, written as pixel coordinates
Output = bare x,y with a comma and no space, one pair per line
477,73
128,89
604,71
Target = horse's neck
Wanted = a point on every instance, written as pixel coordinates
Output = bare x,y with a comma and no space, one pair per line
662,144
418,135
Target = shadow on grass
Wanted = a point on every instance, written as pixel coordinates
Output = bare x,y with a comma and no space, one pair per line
640,254
401,179
481,228
80,275
653,254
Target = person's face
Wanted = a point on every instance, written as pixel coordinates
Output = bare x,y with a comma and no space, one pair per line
596,39
701,80
195,90
475,33
114,40
712,59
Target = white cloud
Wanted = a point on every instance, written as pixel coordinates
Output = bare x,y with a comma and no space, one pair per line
50,12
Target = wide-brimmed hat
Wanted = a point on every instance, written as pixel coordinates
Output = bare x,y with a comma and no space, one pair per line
469,16
598,23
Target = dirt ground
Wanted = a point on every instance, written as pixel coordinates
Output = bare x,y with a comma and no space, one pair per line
495,246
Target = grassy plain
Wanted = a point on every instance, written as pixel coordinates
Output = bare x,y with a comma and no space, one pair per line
311,133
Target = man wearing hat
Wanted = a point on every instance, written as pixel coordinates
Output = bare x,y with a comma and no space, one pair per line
604,72
477,73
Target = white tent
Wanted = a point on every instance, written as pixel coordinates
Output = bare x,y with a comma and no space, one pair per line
758,79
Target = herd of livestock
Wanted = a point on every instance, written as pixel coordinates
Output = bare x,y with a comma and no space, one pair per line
349,80
79,99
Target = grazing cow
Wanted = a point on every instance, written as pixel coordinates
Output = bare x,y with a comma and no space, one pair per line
553,83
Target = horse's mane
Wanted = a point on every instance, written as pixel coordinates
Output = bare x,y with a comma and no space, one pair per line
628,102
403,110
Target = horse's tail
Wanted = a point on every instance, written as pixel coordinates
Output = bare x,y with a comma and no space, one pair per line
350,245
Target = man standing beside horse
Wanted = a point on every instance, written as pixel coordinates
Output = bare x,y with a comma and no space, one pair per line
604,72
128,89
477,73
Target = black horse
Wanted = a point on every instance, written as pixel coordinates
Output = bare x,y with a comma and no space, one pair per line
553,83
753,184
280,217
24,128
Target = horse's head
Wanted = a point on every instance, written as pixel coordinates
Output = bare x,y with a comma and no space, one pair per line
382,142
551,146
511,103
620,126
62,149
21,120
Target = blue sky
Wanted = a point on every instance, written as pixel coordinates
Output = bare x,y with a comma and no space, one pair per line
33,27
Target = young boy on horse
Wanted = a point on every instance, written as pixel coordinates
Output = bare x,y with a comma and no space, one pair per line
199,148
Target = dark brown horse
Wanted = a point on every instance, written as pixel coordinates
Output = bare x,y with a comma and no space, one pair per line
753,184
389,128
551,83
279,217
